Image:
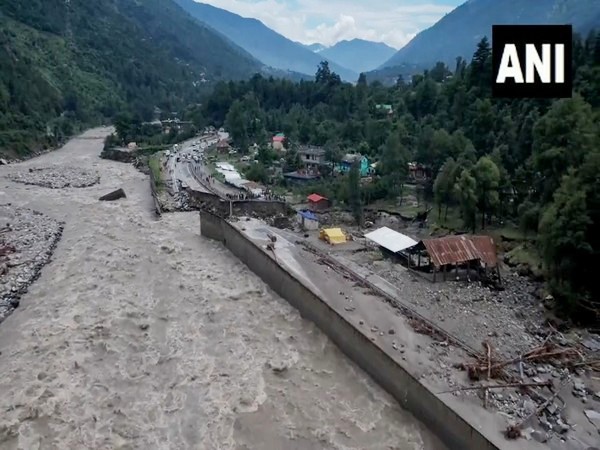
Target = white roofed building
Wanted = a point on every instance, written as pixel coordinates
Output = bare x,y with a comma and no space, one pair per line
390,240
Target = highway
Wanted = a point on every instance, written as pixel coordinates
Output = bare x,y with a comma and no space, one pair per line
189,173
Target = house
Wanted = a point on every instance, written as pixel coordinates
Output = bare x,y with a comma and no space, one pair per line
418,171
456,253
385,109
223,146
349,159
391,241
175,125
317,202
310,154
308,220
279,142
313,158
302,176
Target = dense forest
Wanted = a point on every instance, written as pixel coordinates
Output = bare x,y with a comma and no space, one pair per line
535,163
71,63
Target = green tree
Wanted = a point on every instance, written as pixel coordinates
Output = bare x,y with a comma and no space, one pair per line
529,217
333,156
393,166
127,127
354,193
292,160
257,172
466,192
487,176
266,155
443,187
235,122
561,140
563,230
481,67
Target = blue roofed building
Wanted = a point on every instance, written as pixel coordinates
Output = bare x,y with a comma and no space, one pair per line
308,220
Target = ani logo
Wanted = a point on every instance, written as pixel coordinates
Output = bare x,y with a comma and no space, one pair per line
532,61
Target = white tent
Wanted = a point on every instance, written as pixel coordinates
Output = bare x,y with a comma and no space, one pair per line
391,240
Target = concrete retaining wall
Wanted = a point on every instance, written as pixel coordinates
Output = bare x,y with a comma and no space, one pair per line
455,432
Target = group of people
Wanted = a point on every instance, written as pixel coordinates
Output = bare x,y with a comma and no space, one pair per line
251,196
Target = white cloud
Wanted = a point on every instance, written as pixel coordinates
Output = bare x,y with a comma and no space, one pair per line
394,22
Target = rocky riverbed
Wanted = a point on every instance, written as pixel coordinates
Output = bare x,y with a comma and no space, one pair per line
56,177
28,238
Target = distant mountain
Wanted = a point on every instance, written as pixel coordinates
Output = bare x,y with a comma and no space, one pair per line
266,45
458,33
316,47
388,76
358,54
79,62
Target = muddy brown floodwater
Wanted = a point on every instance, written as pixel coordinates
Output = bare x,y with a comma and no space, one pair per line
140,334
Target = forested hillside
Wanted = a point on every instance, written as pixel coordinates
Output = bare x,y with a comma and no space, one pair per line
70,63
533,163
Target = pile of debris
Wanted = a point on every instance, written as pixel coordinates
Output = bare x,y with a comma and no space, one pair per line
56,177
540,377
27,241
182,201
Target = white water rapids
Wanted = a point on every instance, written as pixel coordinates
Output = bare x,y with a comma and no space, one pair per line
140,334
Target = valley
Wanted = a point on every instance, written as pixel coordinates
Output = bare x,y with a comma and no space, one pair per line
297,225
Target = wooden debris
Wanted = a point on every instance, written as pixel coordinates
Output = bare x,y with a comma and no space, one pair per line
514,431
499,386
546,352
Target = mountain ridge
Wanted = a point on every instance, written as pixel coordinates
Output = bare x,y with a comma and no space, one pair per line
360,55
471,21
265,44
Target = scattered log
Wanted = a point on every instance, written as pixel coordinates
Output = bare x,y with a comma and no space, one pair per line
114,195
514,431
499,386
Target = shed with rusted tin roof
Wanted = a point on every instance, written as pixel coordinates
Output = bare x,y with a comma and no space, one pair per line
458,250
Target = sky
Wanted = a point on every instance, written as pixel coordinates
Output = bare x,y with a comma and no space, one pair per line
394,22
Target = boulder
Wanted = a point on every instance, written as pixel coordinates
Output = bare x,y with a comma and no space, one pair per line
114,195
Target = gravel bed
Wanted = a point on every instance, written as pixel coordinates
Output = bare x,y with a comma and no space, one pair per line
511,319
56,177
34,237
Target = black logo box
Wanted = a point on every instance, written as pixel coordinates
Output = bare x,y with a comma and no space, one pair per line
537,35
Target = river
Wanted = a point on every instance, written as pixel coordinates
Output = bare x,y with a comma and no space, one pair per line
140,334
